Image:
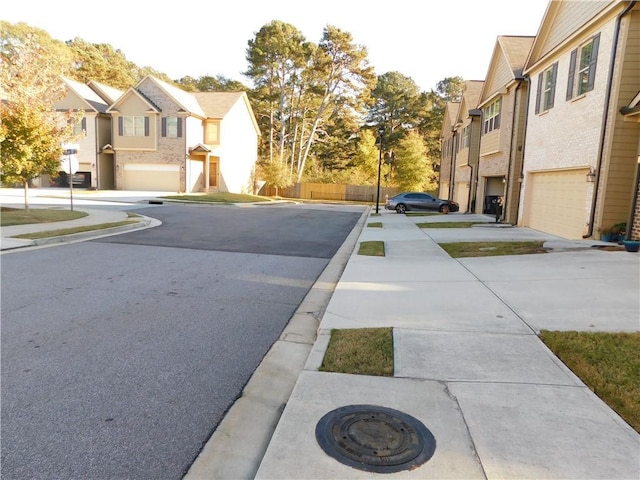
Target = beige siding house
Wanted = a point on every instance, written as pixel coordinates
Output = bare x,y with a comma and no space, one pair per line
503,104
92,133
467,130
448,150
166,139
580,169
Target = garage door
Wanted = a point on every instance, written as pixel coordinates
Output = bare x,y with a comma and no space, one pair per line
558,203
152,177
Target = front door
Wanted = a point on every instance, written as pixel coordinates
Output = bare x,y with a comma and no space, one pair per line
213,173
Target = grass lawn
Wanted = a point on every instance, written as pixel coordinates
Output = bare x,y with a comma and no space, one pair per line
608,363
362,351
446,224
374,224
373,248
422,214
220,198
489,249
19,216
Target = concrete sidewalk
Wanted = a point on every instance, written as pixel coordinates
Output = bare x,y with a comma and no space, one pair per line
468,363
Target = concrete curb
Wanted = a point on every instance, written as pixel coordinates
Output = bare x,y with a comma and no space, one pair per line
143,223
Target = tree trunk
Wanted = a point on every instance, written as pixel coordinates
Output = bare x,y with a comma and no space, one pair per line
26,195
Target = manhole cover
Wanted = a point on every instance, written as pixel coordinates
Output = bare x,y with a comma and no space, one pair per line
375,439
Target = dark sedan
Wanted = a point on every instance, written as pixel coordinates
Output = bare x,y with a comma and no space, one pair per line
408,201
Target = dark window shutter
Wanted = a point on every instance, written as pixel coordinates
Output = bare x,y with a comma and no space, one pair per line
84,124
120,127
552,92
146,126
592,63
539,92
164,126
572,72
179,127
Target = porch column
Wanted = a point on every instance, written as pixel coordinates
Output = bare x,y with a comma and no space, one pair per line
206,172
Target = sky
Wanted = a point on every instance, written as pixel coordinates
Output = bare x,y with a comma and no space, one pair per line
427,41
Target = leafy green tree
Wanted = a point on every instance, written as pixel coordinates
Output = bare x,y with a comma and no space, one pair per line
398,106
31,132
450,89
412,171
276,58
340,77
101,63
207,83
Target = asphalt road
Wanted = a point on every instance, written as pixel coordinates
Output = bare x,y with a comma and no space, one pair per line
120,356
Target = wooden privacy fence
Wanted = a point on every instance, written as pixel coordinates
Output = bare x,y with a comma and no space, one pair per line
330,191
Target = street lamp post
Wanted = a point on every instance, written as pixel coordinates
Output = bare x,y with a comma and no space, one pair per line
380,132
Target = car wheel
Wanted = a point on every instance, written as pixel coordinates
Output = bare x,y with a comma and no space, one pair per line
400,208
445,209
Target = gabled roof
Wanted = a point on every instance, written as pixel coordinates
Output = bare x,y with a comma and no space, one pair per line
107,93
470,98
449,120
562,22
128,93
87,95
516,50
506,65
218,104
185,100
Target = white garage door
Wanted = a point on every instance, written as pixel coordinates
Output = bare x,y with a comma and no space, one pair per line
558,203
151,177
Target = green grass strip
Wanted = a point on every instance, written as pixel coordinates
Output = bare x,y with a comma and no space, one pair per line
608,363
373,248
363,351
374,224
491,249
446,224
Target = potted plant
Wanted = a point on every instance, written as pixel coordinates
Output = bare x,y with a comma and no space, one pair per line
606,234
618,232
631,245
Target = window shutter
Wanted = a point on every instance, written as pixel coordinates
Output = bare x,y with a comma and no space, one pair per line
84,124
164,126
146,126
120,127
572,72
552,92
539,92
592,63
179,127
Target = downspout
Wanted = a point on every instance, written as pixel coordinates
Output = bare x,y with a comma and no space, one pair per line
605,116
473,174
514,135
452,174
524,143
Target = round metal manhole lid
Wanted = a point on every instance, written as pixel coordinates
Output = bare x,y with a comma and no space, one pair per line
375,439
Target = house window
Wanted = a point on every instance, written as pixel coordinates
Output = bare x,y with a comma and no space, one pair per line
211,134
546,89
582,68
465,141
133,126
171,127
491,117
80,127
